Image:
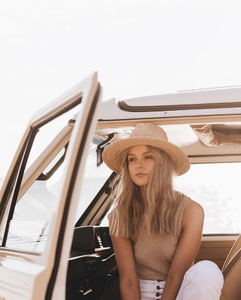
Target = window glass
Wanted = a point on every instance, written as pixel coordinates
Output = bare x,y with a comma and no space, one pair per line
33,213
93,180
47,133
217,188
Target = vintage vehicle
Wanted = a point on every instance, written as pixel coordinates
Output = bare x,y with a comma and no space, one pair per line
55,199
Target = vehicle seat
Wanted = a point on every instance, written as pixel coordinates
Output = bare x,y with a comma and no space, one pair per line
232,273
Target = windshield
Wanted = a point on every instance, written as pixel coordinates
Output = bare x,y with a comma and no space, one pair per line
93,180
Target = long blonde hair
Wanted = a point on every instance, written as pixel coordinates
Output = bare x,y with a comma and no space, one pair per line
162,200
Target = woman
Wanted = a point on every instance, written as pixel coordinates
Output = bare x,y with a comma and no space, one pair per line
155,230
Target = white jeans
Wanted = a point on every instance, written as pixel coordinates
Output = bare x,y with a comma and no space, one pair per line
203,281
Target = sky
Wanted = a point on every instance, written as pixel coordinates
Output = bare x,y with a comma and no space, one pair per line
138,48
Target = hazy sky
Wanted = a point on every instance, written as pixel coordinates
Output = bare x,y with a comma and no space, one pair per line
138,48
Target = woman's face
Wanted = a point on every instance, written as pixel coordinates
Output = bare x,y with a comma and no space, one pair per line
140,164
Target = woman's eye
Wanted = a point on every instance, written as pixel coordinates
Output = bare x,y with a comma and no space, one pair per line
149,157
131,159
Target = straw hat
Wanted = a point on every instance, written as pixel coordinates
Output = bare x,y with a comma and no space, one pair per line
150,135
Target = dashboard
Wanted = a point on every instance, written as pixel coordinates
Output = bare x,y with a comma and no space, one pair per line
92,266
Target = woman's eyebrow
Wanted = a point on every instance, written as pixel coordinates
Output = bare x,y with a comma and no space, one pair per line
147,152
130,154
144,153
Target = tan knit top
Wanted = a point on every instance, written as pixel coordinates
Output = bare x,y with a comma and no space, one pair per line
154,252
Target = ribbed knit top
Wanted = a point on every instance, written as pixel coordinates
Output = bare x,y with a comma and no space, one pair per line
154,252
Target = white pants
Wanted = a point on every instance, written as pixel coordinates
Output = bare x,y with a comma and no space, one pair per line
203,281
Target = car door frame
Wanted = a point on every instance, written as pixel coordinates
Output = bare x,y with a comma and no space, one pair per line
54,259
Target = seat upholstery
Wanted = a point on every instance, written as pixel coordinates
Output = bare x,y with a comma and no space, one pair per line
232,273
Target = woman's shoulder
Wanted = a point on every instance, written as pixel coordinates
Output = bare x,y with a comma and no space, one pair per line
189,204
192,206
193,212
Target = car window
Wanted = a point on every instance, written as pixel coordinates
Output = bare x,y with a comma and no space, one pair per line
33,214
216,186
34,210
93,180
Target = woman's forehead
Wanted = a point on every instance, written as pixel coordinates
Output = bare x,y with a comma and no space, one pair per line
140,149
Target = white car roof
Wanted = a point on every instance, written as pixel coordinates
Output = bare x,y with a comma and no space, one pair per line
219,101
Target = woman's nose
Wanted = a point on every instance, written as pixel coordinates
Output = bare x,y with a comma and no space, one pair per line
139,163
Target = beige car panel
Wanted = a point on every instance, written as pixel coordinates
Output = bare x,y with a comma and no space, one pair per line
215,248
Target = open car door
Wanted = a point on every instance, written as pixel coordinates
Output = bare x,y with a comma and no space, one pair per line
37,209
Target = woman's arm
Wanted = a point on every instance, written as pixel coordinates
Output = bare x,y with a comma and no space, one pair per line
129,282
187,248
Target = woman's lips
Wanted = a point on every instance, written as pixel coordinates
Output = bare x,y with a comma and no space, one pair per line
141,174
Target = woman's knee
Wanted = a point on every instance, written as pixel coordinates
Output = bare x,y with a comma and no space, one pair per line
204,280
206,271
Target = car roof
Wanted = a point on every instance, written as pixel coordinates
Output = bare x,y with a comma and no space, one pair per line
188,117
195,103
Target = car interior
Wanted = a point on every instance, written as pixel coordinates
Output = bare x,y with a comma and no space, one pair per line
213,148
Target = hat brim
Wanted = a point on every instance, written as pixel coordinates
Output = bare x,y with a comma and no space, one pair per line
112,154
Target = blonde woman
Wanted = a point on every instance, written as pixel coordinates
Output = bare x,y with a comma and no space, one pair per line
155,230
